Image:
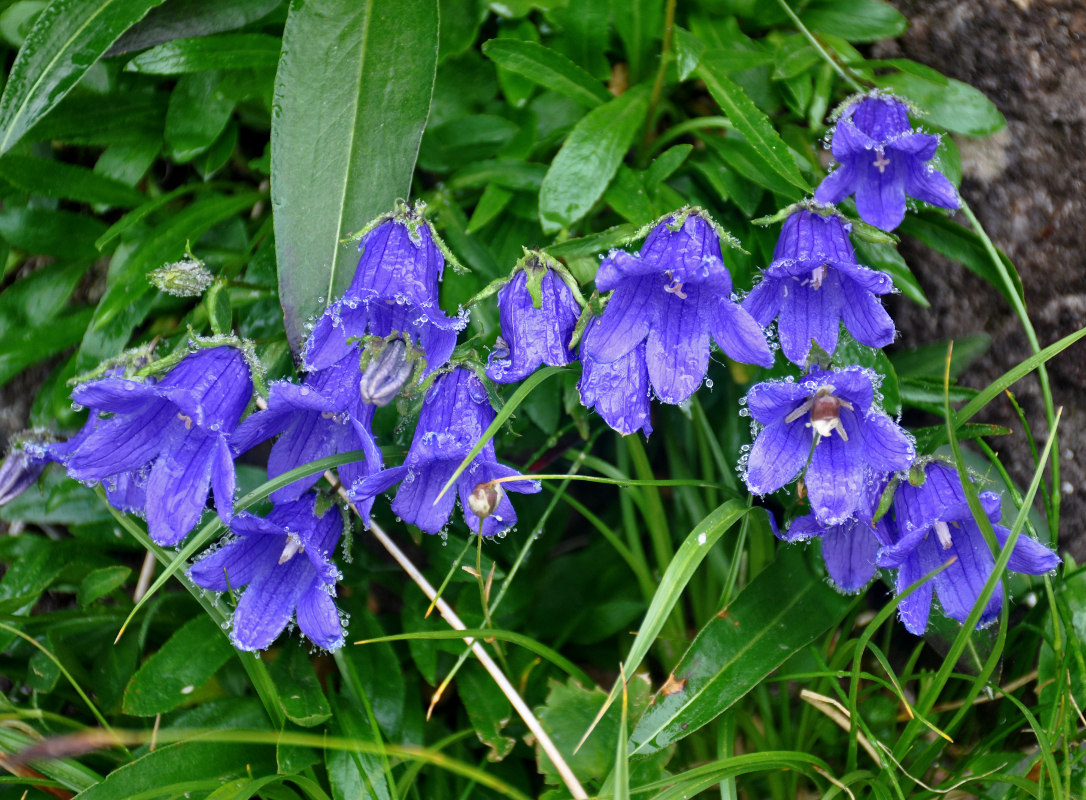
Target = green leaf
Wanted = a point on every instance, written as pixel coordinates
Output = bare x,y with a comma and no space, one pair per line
548,68
747,162
751,123
191,18
183,664
955,106
51,233
929,360
930,439
51,178
358,773
639,23
589,158
855,20
300,692
26,346
740,646
351,98
99,583
67,38
849,352
886,258
489,711
508,173
198,113
229,51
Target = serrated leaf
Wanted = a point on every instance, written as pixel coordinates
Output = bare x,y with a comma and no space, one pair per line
589,158
548,68
739,646
183,664
68,37
229,51
351,98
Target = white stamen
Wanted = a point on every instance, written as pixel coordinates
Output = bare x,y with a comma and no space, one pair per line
882,162
292,548
818,274
942,533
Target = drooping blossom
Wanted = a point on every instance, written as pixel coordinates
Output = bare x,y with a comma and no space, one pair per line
454,415
395,288
931,524
673,296
814,283
831,417
323,416
533,336
171,435
617,390
284,560
881,160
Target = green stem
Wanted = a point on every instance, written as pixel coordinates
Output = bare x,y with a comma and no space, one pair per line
856,86
661,72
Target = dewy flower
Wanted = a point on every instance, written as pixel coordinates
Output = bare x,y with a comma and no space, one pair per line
849,548
171,434
323,416
673,296
454,415
533,336
814,283
932,524
881,160
831,417
617,390
395,288
285,560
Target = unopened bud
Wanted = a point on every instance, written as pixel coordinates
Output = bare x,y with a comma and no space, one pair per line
17,474
185,278
386,374
484,498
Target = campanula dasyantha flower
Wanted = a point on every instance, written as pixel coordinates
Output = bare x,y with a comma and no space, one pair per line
617,390
831,417
533,336
171,434
673,296
321,417
931,524
285,561
881,160
814,283
395,288
454,415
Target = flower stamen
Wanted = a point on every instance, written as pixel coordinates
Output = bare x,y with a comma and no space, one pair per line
882,162
291,548
942,533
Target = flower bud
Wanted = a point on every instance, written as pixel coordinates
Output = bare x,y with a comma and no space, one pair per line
17,474
185,278
386,374
484,498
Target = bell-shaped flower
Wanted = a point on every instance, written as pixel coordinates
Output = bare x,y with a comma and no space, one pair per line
171,435
395,288
673,296
617,390
831,418
881,160
931,524
323,416
454,415
814,283
285,561
533,336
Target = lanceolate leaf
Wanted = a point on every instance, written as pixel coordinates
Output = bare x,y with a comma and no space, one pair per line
548,68
351,99
782,611
68,37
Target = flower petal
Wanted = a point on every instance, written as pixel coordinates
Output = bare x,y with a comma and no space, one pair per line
835,478
763,302
777,456
319,619
738,333
237,563
123,444
1029,556
177,488
626,319
268,604
677,349
849,552
772,400
915,608
880,196
223,478
839,184
886,447
618,390
809,314
116,395
960,584
415,500
926,183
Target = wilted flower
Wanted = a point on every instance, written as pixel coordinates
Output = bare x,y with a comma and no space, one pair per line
386,373
174,431
814,283
395,288
617,390
931,524
454,415
322,417
882,159
673,296
285,560
533,336
831,417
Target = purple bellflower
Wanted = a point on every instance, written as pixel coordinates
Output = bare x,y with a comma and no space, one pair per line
848,548
321,417
171,435
931,524
672,296
882,159
285,560
395,288
454,415
831,417
814,283
617,390
533,336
